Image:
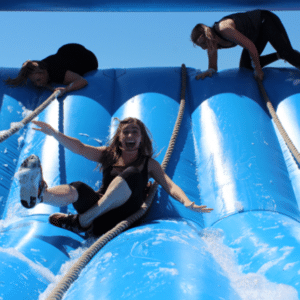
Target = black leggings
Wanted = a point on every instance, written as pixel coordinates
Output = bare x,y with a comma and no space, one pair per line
272,31
87,198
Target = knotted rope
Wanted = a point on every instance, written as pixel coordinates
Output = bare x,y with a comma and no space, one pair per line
58,292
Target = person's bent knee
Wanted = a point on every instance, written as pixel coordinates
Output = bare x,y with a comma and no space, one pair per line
134,180
132,176
87,197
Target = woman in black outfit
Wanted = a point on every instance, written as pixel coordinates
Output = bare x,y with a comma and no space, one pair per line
67,66
251,30
127,163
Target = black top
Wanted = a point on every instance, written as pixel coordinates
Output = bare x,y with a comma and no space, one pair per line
110,173
137,182
248,23
70,57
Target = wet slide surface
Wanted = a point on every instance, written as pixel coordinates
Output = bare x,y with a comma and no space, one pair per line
229,156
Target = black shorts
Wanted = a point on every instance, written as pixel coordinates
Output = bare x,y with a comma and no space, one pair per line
87,197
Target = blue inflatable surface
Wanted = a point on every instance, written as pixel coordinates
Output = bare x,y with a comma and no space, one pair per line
228,156
146,5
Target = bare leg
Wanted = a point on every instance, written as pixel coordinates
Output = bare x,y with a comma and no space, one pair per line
61,195
117,193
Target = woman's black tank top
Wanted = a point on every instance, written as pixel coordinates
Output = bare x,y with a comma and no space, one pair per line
247,23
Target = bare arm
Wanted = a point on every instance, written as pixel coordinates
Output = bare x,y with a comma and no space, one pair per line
212,64
74,145
73,81
158,174
213,59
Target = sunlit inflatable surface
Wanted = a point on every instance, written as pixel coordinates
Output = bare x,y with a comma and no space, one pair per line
228,156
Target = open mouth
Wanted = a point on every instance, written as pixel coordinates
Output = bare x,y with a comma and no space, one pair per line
130,145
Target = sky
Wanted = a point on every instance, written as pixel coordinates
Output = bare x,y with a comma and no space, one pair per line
121,40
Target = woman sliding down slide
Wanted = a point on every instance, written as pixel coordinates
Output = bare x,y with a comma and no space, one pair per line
127,164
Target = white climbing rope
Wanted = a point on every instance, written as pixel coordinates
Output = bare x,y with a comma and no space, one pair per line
278,124
8,133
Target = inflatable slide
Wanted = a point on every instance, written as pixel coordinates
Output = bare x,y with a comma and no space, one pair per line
228,155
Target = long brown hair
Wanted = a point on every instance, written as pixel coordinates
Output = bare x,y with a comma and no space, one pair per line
29,67
113,152
201,29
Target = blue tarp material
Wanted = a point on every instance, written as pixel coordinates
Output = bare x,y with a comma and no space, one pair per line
228,156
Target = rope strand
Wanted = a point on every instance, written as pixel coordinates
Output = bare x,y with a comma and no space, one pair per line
4,136
286,138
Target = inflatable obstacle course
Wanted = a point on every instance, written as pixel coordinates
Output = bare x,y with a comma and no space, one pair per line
228,156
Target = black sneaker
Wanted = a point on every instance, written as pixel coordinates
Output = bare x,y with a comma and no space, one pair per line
69,222
32,184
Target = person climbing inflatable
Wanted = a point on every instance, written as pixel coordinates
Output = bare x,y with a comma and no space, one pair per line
251,30
66,67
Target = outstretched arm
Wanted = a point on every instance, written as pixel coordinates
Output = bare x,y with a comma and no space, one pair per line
75,145
158,174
